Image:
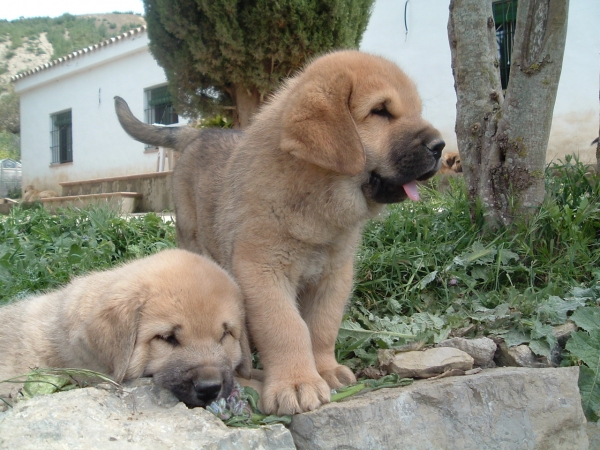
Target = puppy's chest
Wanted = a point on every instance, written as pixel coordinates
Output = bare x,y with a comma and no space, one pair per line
313,265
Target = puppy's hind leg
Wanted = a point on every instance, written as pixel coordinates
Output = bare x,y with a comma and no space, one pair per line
187,231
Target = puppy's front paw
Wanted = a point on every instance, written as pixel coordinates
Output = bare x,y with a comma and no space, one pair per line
338,376
293,396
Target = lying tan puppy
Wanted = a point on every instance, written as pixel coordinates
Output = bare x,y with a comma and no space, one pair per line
31,194
282,205
175,316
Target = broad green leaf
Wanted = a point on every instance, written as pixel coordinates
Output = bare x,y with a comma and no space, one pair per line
251,397
540,347
542,331
480,273
589,388
515,337
555,309
478,254
586,347
585,293
442,335
75,254
587,318
431,320
506,256
483,314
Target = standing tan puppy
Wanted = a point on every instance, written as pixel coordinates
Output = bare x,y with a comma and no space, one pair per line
451,163
175,316
282,205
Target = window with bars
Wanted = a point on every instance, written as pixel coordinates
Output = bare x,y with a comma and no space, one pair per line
61,136
505,18
160,107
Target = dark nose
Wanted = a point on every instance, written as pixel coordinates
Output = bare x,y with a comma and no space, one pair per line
207,391
435,147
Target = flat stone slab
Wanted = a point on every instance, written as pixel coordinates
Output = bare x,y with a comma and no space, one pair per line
505,408
482,350
146,419
424,364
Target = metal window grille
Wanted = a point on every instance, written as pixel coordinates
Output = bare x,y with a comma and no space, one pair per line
62,138
160,107
505,18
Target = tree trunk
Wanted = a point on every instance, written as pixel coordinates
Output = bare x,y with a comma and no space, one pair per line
503,139
246,104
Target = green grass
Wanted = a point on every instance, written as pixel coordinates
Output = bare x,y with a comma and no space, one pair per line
40,251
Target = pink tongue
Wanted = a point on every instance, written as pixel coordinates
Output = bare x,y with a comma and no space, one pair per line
411,191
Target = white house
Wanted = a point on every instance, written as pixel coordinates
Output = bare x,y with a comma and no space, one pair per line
73,96
69,130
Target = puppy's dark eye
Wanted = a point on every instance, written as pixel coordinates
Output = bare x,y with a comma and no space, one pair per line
381,111
169,339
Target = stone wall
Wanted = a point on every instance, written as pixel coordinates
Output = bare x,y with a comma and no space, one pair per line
155,187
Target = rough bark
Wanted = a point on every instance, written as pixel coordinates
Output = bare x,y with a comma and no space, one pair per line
246,103
503,137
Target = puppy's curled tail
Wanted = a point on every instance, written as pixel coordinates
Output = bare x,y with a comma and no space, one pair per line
173,137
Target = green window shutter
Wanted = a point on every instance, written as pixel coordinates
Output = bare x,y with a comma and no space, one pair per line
505,11
159,96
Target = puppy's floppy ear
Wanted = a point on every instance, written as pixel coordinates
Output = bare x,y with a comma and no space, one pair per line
112,331
245,367
318,127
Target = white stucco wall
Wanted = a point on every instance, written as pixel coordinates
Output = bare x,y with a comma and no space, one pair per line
87,85
424,53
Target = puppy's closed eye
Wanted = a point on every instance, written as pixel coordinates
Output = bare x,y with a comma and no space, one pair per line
381,111
169,338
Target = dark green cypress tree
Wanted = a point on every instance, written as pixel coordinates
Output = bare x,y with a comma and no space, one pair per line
227,55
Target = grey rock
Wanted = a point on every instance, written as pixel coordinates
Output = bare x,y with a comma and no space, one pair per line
424,364
519,356
524,357
147,418
563,332
504,408
482,350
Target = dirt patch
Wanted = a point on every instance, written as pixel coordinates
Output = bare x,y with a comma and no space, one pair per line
33,52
